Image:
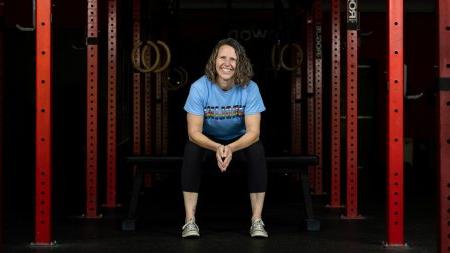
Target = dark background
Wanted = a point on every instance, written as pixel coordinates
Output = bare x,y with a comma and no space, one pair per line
191,28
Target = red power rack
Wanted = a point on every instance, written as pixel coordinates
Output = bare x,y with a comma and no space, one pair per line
137,80
310,94
92,111
395,141
296,96
335,105
444,124
351,211
318,182
111,151
43,211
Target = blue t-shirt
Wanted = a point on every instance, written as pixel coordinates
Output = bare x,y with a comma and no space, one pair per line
223,111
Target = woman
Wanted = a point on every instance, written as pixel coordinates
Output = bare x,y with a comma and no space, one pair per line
223,117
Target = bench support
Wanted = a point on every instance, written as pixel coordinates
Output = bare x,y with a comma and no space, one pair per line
312,224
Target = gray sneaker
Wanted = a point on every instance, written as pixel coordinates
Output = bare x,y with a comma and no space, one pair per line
257,229
190,229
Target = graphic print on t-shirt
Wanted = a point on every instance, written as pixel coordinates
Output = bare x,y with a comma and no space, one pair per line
224,112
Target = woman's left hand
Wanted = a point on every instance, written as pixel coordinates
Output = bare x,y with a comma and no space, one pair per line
227,156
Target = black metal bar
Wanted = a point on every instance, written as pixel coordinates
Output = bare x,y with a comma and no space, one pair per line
129,223
173,163
282,162
312,224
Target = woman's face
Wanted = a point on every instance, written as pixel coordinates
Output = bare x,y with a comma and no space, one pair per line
226,64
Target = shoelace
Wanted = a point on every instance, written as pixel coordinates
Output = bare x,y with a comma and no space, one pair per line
190,226
258,224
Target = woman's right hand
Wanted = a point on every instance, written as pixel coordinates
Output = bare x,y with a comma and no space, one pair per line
220,156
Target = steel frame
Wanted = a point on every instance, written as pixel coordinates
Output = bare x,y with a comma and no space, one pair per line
43,194
137,80
92,111
111,152
335,201
165,112
351,211
395,140
148,114
443,8
310,94
158,114
318,182
296,106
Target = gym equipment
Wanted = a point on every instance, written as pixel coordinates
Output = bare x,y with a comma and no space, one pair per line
279,63
170,164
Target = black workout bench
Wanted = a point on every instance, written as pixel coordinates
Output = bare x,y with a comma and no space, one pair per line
173,163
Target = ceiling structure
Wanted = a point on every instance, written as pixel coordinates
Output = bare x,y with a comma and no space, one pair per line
364,5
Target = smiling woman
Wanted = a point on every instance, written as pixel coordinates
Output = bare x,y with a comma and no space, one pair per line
223,117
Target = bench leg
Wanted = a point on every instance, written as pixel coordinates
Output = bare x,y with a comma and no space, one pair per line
312,224
129,223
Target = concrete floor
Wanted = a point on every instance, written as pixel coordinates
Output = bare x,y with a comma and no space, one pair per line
223,218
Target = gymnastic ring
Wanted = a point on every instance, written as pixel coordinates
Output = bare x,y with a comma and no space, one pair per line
168,57
300,57
133,55
144,53
276,66
135,58
181,73
183,76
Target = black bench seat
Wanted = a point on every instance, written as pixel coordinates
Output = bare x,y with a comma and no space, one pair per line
173,164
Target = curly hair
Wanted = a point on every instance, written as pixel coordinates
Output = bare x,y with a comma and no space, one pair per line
244,69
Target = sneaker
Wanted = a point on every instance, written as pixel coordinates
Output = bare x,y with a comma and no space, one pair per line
257,229
190,229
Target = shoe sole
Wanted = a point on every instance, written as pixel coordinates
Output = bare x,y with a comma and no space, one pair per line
259,234
191,235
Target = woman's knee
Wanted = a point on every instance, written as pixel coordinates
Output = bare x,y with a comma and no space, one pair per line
255,151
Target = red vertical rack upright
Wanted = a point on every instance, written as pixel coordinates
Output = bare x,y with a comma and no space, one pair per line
444,123
165,113
92,111
296,96
335,201
310,93
148,113
137,80
111,151
158,114
395,141
43,202
318,182
351,211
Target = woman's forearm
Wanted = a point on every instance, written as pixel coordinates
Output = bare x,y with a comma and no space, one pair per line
203,141
246,140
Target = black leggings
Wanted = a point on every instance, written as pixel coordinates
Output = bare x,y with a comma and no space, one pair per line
195,156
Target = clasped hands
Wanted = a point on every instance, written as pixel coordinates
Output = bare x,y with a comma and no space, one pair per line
224,155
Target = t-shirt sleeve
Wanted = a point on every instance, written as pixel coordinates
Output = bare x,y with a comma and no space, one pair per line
194,101
254,103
